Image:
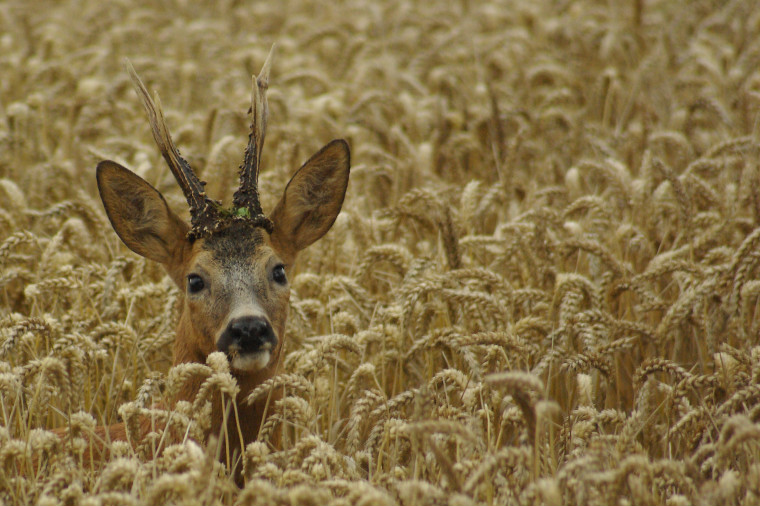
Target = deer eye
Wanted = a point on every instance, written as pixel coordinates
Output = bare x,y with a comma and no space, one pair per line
278,274
195,283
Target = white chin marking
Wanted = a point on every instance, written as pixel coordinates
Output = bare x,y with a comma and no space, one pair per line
251,361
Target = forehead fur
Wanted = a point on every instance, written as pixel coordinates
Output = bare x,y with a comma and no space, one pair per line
235,241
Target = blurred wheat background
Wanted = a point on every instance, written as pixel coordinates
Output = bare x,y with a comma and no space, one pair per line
543,287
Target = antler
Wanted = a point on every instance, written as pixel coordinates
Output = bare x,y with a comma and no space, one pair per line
206,215
204,212
247,195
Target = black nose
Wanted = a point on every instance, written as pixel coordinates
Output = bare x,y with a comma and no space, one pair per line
248,334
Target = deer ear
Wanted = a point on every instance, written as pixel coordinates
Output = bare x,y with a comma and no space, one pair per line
139,214
312,199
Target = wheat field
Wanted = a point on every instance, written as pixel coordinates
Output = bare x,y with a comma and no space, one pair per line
542,289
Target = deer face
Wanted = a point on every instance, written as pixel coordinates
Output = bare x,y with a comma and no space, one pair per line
236,297
235,280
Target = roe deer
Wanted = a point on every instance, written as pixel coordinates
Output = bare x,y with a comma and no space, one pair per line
231,264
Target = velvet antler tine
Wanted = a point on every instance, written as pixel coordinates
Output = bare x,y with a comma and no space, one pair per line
247,195
203,214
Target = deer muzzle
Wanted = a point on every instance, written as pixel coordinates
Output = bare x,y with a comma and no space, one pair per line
248,341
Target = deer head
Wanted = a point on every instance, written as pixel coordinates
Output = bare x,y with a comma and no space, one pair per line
231,264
